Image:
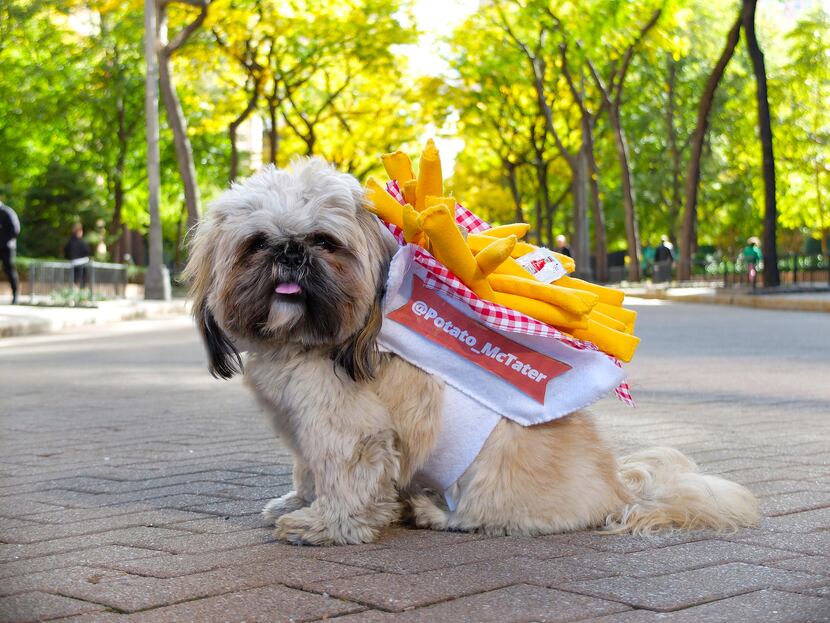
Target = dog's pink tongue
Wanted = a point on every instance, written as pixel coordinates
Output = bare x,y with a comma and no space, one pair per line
288,288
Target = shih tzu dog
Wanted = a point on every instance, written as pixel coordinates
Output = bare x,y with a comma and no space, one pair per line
289,266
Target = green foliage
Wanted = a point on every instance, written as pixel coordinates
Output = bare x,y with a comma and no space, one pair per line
329,79
59,197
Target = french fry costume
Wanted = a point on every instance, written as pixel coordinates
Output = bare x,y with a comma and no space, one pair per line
498,319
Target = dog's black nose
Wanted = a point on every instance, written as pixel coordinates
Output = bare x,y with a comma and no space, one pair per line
291,255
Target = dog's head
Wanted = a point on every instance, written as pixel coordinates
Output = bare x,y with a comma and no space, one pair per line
290,257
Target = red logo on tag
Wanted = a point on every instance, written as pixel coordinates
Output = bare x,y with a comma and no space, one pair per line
429,315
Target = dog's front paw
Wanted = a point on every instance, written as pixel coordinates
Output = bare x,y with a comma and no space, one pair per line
302,527
305,527
280,506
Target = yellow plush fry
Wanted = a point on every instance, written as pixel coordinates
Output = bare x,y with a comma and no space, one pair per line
627,316
608,321
430,181
545,312
411,230
620,345
409,192
545,292
567,262
432,200
383,204
589,298
477,242
514,229
449,248
512,267
398,167
522,248
494,254
606,295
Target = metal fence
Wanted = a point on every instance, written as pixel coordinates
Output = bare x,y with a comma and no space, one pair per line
98,279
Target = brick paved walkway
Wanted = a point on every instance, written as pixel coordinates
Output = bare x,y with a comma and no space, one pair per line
131,484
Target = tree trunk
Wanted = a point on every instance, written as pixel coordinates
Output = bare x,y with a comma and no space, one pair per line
600,244
155,286
234,126
116,227
545,224
687,232
821,215
273,137
514,190
632,229
178,125
580,242
770,239
674,148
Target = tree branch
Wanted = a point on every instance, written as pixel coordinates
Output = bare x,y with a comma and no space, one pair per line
184,34
629,54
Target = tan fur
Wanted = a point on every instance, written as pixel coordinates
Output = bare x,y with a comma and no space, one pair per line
361,424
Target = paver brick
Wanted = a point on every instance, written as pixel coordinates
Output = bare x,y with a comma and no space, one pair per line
395,560
40,607
819,565
767,606
686,556
507,605
149,538
396,592
687,588
49,532
93,556
269,604
812,543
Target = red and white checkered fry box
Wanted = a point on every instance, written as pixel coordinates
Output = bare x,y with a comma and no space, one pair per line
527,378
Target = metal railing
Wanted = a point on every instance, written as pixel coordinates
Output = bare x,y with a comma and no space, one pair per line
98,279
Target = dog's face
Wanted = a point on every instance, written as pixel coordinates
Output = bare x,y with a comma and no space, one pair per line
290,256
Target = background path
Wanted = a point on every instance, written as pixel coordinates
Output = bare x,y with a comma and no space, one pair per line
131,484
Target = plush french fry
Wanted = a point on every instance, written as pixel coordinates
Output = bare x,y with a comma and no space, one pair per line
627,316
545,292
430,181
514,229
547,313
620,345
494,254
383,204
449,248
398,167
411,230
608,321
477,242
609,296
432,200
409,191
567,262
522,248
512,267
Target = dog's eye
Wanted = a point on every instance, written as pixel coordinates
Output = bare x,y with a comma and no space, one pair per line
325,242
258,244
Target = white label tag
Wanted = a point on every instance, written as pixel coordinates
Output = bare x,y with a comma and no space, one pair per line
543,265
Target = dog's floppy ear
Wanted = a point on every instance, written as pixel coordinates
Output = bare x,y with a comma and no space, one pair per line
359,354
223,358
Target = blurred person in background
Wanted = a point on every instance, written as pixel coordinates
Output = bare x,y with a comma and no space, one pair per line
751,256
562,245
663,260
77,251
9,231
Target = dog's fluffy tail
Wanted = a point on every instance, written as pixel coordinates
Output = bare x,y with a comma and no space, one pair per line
669,492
